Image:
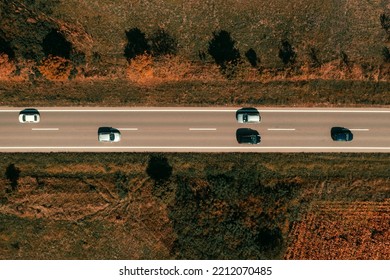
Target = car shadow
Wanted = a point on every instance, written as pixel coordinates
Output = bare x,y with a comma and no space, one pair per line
244,132
29,111
105,129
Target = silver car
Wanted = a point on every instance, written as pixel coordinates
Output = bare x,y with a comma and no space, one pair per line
29,115
108,134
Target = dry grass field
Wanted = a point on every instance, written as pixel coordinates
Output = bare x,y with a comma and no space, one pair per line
340,230
107,93
330,26
95,206
339,48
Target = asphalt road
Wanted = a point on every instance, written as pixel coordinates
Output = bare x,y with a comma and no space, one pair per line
194,130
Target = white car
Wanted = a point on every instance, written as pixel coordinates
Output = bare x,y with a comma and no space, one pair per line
248,115
29,116
108,134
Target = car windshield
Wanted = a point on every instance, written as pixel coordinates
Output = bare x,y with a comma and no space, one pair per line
255,139
112,136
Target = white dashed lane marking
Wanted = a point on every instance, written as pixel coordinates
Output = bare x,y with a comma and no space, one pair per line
45,129
195,129
281,129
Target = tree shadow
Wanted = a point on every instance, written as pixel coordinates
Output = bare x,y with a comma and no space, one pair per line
252,58
55,44
159,168
287,53
5,47
12,173
225,54
162,43
137,43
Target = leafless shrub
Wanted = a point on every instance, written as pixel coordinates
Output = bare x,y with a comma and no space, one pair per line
55,68
7,67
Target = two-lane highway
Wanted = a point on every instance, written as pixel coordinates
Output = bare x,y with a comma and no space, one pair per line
194,130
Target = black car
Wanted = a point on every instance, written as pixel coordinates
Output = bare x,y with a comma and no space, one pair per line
247,136
341,134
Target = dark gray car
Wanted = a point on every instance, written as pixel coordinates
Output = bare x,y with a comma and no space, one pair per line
341,134
247,136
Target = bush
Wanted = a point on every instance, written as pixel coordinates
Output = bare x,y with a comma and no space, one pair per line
344,60
386,54
252,57
7,67
55,44
78,58
222,186
5,48
222,49
96,57
26,23
228,217
385,22
287,53
141,69
146,70
269,239
162,43
121,184
202,55
314,60
136,43
159,168
55,68
12,174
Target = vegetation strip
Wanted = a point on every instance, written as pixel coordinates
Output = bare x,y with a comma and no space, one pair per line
194,206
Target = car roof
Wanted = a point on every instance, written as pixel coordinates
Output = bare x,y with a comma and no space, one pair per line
104,135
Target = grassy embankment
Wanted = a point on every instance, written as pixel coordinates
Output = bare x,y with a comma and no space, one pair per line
124,93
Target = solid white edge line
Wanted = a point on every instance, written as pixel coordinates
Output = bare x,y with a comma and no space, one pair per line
359,129
196,129
127,128
321,111
208,148
45,129
210,110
